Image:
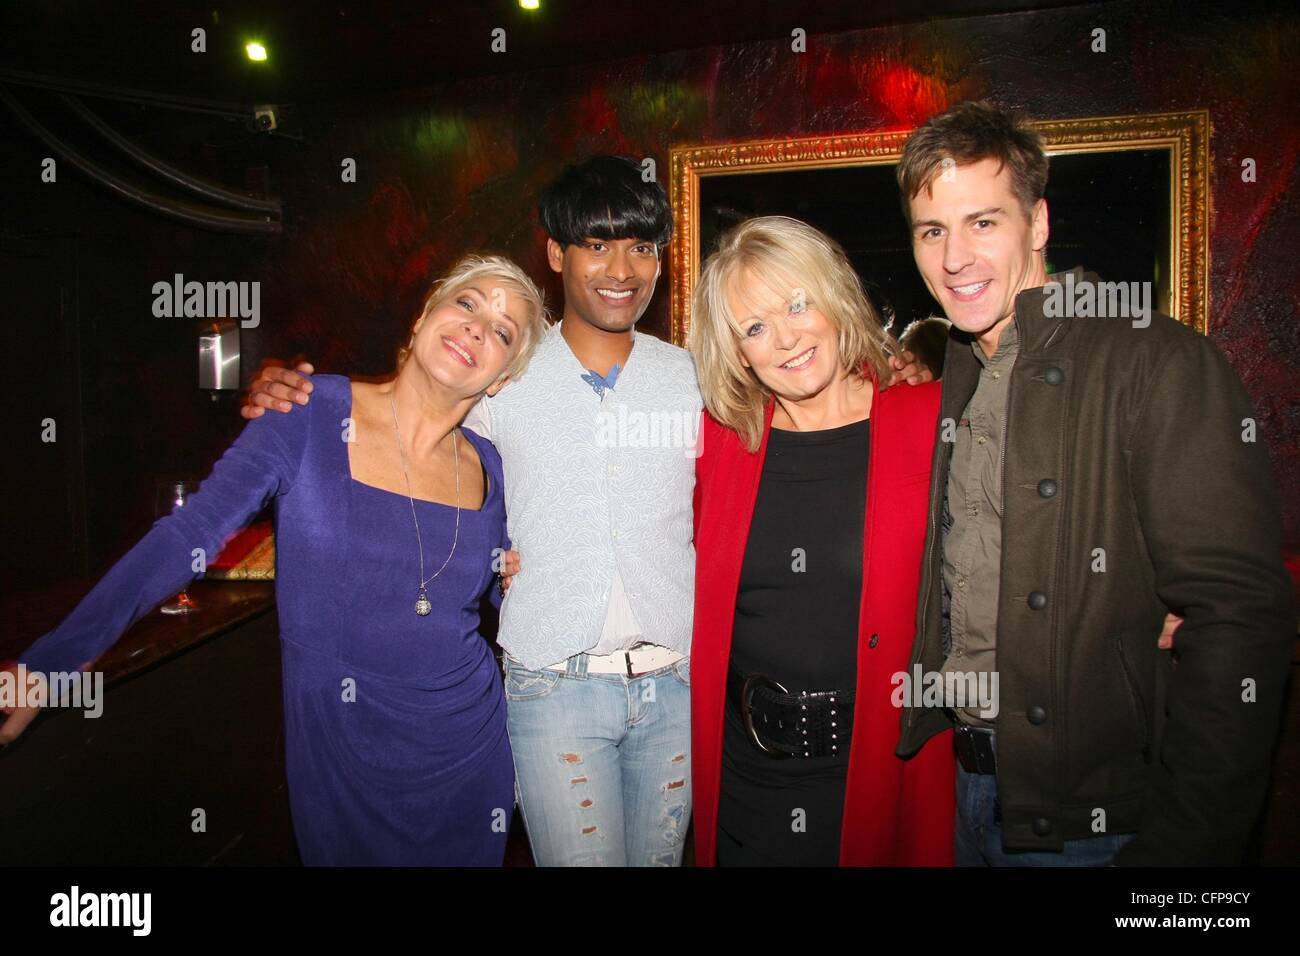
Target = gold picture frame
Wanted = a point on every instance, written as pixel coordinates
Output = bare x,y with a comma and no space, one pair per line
1186,135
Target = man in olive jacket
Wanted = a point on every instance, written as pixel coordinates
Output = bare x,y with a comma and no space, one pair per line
1097,466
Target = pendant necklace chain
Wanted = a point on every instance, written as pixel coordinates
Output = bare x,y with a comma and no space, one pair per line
422,603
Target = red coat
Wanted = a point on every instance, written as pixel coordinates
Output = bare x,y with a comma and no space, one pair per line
896,813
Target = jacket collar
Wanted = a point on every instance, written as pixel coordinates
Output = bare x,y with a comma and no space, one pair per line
1037,330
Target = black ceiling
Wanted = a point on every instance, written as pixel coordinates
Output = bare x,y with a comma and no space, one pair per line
319,50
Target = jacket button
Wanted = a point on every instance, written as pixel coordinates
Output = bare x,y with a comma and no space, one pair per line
1042,827
1037,600
875,639
1036,715
1046,488
1054,376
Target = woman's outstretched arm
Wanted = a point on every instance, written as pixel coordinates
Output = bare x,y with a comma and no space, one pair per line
261,464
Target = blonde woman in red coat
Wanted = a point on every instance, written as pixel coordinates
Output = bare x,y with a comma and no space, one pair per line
811,502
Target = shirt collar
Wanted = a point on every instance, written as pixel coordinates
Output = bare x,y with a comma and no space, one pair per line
1008,345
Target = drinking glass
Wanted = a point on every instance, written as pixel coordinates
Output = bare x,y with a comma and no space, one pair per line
172,495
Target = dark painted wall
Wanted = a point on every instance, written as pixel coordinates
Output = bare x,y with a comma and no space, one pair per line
458,167
83,345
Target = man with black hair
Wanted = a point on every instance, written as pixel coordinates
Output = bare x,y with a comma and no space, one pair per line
596,627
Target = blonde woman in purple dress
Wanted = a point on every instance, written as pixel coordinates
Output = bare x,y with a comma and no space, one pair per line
390,522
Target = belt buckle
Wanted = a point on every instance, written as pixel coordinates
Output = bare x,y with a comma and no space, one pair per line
974,751
627,658
746,693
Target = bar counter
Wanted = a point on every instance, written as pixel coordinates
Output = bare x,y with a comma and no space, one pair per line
185,766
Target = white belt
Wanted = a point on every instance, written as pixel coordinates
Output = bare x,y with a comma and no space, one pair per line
632,662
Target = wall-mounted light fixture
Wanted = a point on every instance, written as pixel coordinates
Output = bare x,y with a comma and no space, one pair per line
219,357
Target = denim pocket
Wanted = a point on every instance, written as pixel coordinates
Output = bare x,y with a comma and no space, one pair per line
523,684
682,671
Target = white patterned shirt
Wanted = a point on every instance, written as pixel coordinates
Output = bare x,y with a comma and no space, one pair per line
598,501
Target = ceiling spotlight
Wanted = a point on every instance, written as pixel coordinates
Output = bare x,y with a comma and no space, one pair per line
255,51
531,4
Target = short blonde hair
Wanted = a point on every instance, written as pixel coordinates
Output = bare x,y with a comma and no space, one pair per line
503,273
786,255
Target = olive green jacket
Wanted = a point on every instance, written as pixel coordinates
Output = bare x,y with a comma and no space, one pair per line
1130,488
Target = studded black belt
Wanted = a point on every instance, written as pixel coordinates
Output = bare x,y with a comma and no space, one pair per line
781,724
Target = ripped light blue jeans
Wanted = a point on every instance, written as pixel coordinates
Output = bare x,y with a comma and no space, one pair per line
602,763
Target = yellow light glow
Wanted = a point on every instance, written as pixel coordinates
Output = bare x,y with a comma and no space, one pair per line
255,51
531,4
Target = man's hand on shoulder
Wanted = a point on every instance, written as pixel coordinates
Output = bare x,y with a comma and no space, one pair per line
907,368
276,388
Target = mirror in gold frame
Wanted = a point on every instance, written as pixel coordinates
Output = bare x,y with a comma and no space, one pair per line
1128,197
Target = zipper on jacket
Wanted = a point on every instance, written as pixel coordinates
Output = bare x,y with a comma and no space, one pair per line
1002,456
928,566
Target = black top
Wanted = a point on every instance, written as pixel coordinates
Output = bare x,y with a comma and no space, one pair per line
796,622
801,583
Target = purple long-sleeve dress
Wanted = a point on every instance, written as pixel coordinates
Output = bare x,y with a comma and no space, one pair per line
395,730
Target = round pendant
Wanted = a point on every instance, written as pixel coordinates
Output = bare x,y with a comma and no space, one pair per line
422,605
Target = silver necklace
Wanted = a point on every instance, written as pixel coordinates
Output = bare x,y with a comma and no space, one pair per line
422,605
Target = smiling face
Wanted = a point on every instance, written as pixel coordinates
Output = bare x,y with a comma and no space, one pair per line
608,283
976,248
466,343
790,345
